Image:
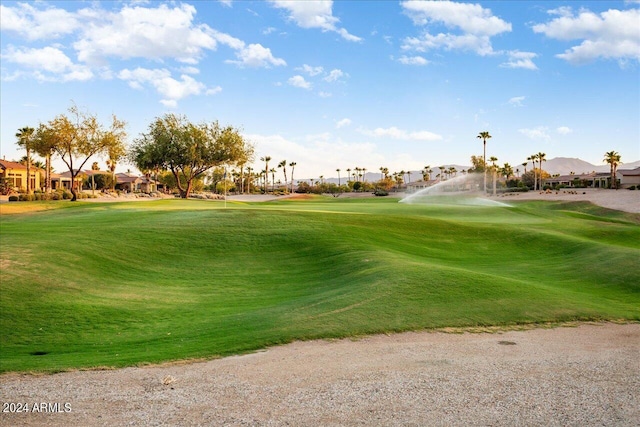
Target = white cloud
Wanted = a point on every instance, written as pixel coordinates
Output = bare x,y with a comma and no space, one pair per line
314,14
50,60
564,130
190,70
299,81
519,59
613,34
335,75
342,123
37,24
152,33
256,55
516,101
538,133
312,71
171,89
476,26
412,60
322,94
395,133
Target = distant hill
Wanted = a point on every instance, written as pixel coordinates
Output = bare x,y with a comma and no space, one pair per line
566,165
557,165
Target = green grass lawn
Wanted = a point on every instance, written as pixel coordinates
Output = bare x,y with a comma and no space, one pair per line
117,284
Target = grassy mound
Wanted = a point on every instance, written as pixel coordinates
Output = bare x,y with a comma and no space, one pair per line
119,284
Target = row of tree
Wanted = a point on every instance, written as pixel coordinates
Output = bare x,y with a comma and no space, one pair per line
188,151
172,143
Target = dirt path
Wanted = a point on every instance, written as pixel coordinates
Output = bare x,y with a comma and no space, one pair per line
581,376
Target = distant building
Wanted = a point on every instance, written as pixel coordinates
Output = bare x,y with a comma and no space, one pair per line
134,183
590,180
630,177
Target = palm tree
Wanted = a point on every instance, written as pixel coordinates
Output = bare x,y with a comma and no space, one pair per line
273,178
493,161
293,165
409,177
338,170
364,174
283,165
507,170
249,177
426,173
348,174
525,166
25,140
533,158
613,158
542,157
266,160
44,144
484,136
115,153
94,167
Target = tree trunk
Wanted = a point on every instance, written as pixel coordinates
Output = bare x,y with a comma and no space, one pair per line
28,171
484,165
48,173
74,192
292,179
187,192
494,182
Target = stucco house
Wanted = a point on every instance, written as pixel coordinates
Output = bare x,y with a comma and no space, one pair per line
629,177
15,175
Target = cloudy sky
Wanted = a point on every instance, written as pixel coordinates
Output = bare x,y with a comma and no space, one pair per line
400,84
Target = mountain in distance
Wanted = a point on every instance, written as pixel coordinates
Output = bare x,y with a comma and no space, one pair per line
557,165
566,165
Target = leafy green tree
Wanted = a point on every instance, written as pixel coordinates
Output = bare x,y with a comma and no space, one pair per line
25,137
78,138
187,150
101,181
613,158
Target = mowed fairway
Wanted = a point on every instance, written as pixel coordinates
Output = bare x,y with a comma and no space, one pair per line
117,284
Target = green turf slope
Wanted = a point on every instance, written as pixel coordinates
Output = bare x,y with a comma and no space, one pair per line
127,283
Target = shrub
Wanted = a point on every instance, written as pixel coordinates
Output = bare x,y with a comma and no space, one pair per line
380,192
13,198
633,187
26,197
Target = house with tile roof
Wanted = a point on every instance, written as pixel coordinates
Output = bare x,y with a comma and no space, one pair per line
15,176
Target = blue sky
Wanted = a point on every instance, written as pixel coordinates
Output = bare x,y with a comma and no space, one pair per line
338,84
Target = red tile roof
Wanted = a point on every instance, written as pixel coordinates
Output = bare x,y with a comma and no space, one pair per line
5,164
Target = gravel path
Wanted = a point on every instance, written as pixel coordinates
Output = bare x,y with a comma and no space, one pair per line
569,376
